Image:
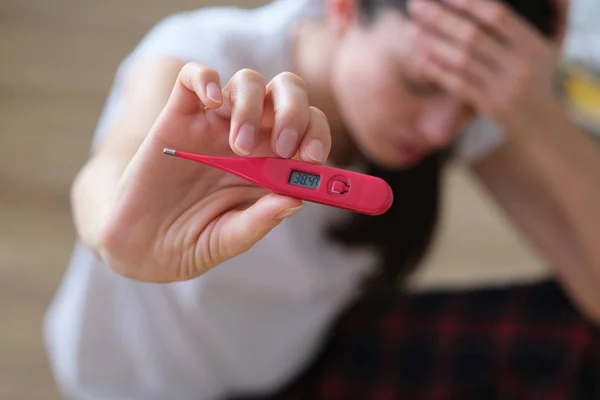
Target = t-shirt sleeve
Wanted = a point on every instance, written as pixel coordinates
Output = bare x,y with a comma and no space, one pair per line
480,139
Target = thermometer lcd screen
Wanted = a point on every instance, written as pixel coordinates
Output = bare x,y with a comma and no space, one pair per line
303,179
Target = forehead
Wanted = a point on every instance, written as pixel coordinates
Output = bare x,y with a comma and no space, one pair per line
388,21
392,48
389,33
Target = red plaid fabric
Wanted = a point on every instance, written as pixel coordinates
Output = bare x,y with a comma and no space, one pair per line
518,342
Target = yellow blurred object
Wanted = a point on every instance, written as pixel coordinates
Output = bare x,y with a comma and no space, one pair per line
582,92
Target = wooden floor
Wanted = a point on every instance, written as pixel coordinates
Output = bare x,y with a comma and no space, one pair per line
57,60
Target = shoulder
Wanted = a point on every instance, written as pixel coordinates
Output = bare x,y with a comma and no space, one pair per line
224,37
190,34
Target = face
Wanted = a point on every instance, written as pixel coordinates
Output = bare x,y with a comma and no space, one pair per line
395,116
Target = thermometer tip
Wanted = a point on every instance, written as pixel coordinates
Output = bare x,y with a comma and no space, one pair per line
170,152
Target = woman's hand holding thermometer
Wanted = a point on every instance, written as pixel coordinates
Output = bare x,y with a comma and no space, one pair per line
174,220
312,182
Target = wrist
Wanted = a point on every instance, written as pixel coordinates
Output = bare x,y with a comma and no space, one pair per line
548,119
553,139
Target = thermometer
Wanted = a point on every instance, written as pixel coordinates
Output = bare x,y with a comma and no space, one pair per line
316,183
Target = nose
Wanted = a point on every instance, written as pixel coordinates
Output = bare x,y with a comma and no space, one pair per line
438,121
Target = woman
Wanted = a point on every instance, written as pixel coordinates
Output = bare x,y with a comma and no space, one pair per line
189,283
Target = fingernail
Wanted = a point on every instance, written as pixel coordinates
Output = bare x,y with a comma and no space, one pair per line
315,150
213,91
288,213
287,143
245,139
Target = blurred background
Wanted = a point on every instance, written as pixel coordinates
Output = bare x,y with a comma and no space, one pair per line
57,62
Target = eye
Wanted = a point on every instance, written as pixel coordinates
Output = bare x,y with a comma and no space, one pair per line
419,87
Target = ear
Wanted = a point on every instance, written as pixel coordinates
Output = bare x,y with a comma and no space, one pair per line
341,14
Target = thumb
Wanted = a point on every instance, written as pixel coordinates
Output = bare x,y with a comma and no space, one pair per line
247,227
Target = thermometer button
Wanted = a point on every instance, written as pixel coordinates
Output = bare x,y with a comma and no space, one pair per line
339,187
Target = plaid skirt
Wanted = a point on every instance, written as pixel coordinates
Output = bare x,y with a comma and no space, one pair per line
517,342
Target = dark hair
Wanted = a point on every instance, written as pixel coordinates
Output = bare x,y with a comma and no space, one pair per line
403,235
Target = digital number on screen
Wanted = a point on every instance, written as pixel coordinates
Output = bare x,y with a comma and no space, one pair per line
303,179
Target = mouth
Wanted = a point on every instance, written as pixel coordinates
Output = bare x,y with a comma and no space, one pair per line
410,151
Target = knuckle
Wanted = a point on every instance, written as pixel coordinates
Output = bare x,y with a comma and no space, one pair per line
291,112
196,75
195,69
472,35
498,14
290,78
248,85
190,66
186,72
251,75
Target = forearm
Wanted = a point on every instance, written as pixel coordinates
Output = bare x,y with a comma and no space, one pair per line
94,187
568,161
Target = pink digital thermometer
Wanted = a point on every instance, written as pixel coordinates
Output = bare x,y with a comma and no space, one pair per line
311,182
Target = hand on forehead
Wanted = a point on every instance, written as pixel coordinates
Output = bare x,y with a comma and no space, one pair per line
484,27
461,17
483,52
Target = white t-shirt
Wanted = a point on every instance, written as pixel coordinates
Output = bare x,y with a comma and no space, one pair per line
252,323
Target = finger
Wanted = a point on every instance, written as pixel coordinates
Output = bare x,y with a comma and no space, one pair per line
453,82
497,17
459,30
291,109
316,143
197,86
454,59
249,226
246,93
